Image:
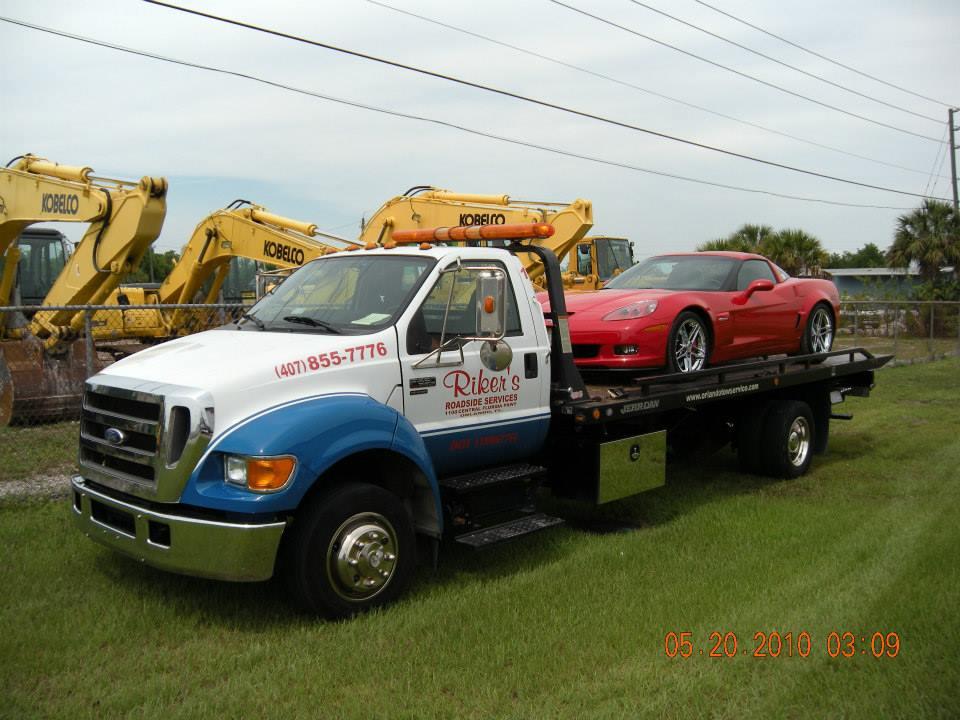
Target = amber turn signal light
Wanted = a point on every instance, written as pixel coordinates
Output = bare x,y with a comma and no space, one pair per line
266,474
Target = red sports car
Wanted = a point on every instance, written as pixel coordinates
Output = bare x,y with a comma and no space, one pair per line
684,311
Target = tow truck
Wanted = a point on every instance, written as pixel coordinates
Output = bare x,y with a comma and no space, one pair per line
402,397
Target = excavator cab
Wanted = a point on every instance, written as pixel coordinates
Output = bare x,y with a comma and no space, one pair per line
43,255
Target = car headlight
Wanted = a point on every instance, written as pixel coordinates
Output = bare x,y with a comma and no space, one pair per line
261,474
633,311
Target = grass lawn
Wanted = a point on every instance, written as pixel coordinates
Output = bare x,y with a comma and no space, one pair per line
28,451
568,624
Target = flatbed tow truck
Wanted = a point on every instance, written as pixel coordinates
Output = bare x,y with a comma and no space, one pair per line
403,397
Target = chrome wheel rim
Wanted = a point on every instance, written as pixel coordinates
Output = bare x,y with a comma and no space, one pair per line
362,557
821,331
798,441
690,352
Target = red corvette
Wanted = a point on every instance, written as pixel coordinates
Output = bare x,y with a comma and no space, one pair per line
685,311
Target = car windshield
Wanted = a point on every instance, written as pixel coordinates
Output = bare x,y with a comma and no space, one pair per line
676,272
355,294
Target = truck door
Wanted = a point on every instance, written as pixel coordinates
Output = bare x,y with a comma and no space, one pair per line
469,414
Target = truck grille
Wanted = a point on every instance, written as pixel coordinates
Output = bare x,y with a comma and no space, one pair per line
120,433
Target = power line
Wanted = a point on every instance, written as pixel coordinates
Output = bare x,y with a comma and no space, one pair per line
443,123
531,100
934,170
823,57
786,64
936,182
624,83
732,70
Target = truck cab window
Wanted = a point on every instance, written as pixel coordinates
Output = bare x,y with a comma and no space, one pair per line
426,327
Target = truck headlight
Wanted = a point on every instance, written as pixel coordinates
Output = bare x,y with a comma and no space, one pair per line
260,474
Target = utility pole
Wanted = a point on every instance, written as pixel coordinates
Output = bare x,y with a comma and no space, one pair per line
953,161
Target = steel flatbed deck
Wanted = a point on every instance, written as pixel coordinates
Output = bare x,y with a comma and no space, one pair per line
849,371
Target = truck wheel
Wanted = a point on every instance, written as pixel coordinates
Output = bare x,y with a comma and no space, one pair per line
688,346
350,550
788,439
819,332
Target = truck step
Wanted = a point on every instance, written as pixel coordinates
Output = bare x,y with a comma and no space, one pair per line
492,476
508,530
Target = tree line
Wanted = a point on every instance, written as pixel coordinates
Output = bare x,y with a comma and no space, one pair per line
928,236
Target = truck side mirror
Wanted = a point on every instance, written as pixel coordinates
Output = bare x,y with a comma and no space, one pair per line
491,304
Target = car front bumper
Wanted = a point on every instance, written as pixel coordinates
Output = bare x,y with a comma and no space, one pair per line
223,550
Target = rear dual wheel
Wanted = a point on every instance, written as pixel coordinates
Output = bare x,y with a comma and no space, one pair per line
778,441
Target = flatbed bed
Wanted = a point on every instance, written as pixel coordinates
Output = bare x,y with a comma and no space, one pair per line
846,371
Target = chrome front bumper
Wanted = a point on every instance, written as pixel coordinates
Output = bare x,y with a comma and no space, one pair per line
186,545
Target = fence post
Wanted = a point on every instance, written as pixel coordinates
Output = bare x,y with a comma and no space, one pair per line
930,339
88,341
896,326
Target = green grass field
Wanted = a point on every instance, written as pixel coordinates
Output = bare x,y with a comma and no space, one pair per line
568,624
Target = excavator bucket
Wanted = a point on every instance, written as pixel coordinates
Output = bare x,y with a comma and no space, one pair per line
36,387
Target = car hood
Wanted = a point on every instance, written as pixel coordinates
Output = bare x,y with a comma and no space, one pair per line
592,304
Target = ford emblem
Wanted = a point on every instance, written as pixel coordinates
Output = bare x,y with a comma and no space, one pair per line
114,436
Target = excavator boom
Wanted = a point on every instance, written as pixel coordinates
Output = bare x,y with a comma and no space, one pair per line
250,232
427,207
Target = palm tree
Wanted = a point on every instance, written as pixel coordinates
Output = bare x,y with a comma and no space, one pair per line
929,236
797,252
749,238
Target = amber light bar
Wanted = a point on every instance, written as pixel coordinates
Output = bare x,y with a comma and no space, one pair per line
473,232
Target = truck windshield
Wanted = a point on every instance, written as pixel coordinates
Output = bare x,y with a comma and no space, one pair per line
356,294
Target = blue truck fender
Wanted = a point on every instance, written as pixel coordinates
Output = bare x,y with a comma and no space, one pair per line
319,431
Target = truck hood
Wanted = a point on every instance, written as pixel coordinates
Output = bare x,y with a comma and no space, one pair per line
252,370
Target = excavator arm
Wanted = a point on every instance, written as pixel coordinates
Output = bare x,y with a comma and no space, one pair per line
124,217
42,364
234,232
426,207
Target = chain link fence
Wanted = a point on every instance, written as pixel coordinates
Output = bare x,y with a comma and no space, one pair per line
912,331
41,381
40,390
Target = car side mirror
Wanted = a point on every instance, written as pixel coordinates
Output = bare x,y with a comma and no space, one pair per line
758,285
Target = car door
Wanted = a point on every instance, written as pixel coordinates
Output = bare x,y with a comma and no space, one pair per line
468,414
761,323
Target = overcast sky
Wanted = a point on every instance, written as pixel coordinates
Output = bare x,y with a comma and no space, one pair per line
217,137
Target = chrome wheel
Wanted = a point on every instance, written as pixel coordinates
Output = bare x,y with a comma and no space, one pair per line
798,441
690,347
821,330
362,557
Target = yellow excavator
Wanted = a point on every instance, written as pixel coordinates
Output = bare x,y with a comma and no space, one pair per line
428,207
42,363
251,232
